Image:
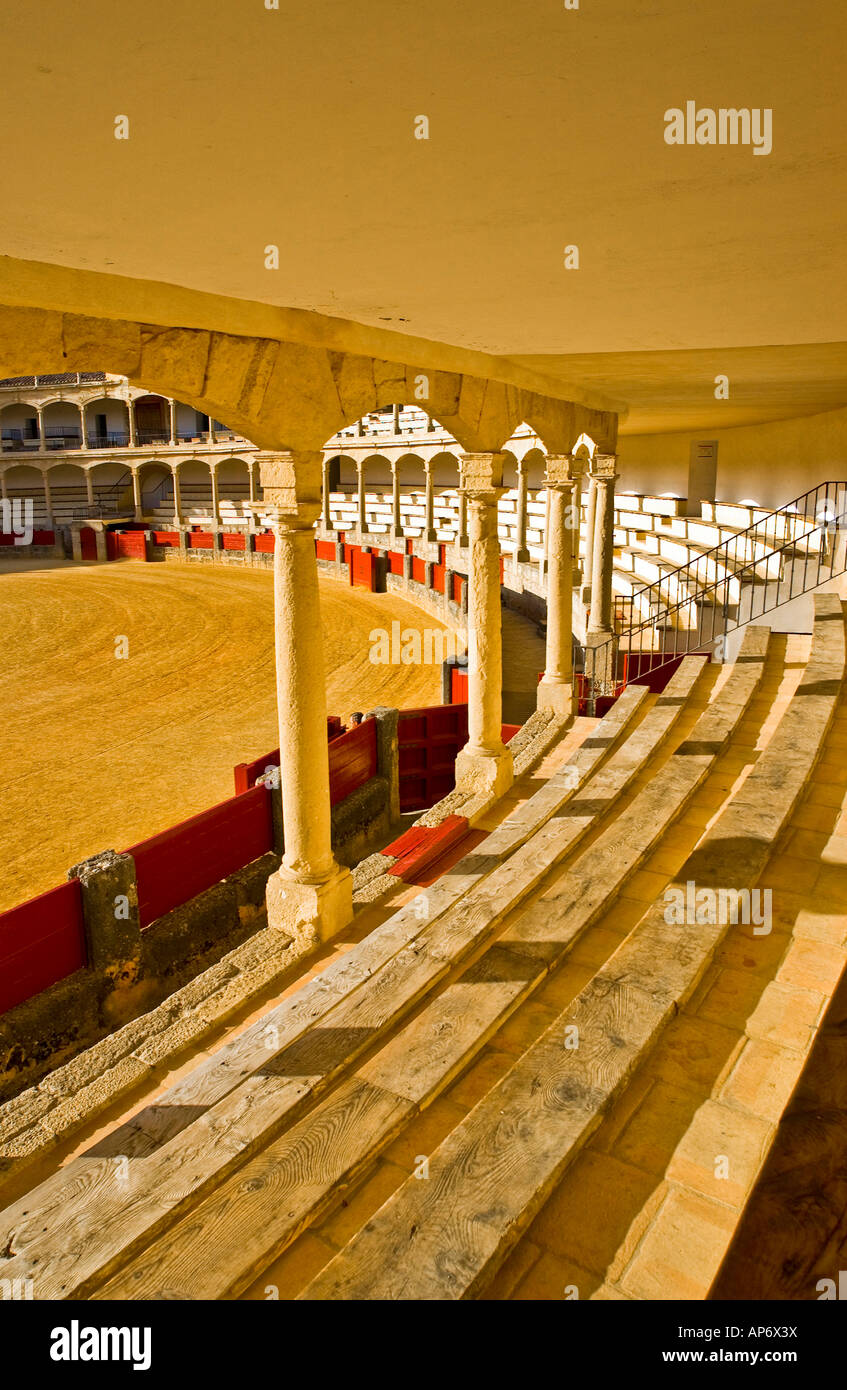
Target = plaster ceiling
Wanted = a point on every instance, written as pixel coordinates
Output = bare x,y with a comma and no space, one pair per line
295,127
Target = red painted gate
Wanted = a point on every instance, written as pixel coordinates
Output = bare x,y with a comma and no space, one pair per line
88,543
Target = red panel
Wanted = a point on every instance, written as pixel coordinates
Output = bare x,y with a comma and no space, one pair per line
442,554
508,731
111,545
325,550
395,562
457,588
166,537
88,543
265,544
43,538
435,841
234,540
352,760
438,578
458,685
41,941
131,545
7,538
429,740
501,569
361,569
200,540
418,570
246,773
173,867
410,546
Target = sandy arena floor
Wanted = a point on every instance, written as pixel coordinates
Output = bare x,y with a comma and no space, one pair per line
98,753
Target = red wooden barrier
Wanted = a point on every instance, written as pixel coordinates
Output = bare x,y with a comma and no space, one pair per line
395,562
41,941
176,865
88,543
438,578
265,543
418,570
352,760
325,550
126,545
458,685
200,540
166,538
38,538
234,540
361,568
429,741
245,774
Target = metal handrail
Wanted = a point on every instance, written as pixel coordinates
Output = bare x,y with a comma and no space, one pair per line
717,603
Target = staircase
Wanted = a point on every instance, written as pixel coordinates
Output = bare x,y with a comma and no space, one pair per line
516,1082
692,606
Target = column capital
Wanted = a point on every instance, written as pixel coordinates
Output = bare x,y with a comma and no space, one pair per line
603,467
482,474
562,471
292,483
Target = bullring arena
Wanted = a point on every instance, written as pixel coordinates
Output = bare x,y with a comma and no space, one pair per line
195,696
423,596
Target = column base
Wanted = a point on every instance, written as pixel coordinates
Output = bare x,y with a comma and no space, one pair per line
521,557
309,912
479,771
557,696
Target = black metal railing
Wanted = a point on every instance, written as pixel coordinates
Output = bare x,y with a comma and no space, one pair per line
786,553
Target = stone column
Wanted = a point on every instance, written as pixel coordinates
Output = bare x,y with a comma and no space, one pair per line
326,514
521,552
48,501
213,471
396,419
136,494
396,524
484,764
177,498
211,430
251,470
133,434
89,487
555,690
603,547
590,509
42,443
83,435
173,424
462,537
310,896
360,481
429,505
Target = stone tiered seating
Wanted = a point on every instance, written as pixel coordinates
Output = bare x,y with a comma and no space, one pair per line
520,1026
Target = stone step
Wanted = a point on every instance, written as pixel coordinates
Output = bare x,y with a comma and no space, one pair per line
250,1223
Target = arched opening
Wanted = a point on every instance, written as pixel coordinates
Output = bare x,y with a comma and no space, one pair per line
195,490
106,423
19,426
156,485
24,481
233,491
68,493
111,486
62,425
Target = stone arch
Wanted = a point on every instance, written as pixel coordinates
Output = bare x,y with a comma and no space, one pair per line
156,487
288,395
